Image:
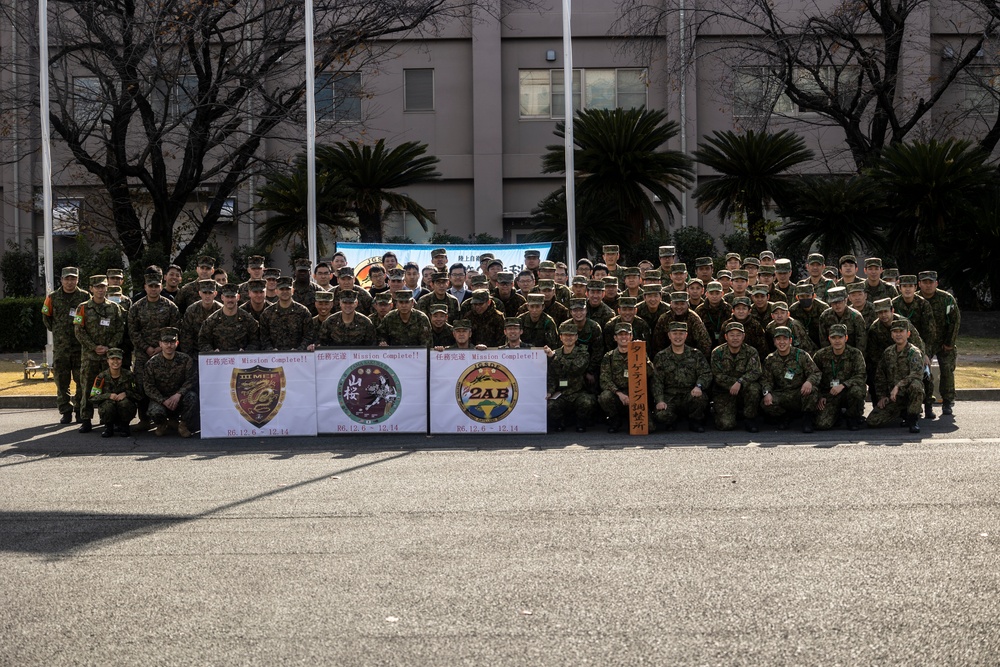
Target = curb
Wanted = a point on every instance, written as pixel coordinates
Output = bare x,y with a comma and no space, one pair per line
49,402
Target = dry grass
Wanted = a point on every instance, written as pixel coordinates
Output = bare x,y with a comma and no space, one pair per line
978,346
12,382
977,376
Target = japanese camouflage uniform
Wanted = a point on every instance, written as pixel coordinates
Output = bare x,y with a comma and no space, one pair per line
727,370
58,315
846,370
119,413
96,324
904,369
674,376
947,319
857,331
614,378
567,383
783,378
166,377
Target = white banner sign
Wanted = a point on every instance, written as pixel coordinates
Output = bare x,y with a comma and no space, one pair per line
492,391
372,390
257,394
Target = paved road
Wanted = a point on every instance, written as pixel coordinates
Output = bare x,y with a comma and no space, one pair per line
676,549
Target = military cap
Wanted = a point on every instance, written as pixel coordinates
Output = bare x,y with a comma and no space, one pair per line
579,280
678,267
779,305
396,273
271,273
621,327
115,273
908,280
679,296
512,322
153,270
882,304
891,274
303,264
677,326
741,301
536,299
765,254
733,255
115,353
441,275
927,275
256,285
626,302
766,269
856,286
169,333
873,261
285,282
713,286
703,261
608,249
735,326
402,295
327,297
114,290
98,280
696,281
383,297
650,289
438,251
759,289
830,271
849,259
547,265
575,304
781,331
438,308
532,254
208,285
606,282
255,261
740,274
153,279
782,266
461,325
229,289
480,296
70,272
632,271
838,330
505,277
345,272
546,284
805,288
836,294
485,256
815,258
903,324
206,261
724,273
583,261
568,327
751,261
347,295
667,251
652,274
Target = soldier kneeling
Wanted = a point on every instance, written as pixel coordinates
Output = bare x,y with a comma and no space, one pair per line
614,396
169,382
116,395
789,381
567,381
899,380
681,380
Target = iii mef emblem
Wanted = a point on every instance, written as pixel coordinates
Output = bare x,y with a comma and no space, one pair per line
258,393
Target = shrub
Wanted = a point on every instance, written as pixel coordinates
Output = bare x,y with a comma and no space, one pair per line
23,329
693,242
18,268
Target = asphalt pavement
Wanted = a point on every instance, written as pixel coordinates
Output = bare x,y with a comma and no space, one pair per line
874,547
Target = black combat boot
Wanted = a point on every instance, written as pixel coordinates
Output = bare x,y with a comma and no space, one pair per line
911,421
124,430
109,430
67,417
928,410
752,426
947,408
697,425
807,423
86,426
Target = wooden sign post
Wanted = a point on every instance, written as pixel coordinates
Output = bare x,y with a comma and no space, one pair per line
638,401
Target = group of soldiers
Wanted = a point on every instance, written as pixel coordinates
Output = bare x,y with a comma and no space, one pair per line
728,344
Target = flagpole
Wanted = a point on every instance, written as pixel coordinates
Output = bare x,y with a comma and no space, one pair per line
43,103
568,116
310,134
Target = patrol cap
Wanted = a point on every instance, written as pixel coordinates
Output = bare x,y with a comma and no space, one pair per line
505,277
98,280
438,252
303,264
579,280
345,272
577,304
402,295
622,327
679,296
326,297
837,330
873,261
208,285
532,254
678,267
478,281
908,280
383,297
512,322
740,274
568,327
153,279
650,289
115,353
70,272
497,262
344,295
396,273
781,331
856,286
677,326
608,249
652,274
114,290
461,325
927,275
703,261
713,286
815,258
626,302
882,304
438,308
441,275
255,261
849,259
667,251
272,273
759,289
206,261
779,305
256,285
900,324
836,294
609,281
751,261
547,265
741,301
891,274
765,254
115,273
830,272
485,256
536,299
229,289
805,288
766,270
546,284
724,273
782,266
696,281
632,271
285,282
480,296
169,333
734,255
735,326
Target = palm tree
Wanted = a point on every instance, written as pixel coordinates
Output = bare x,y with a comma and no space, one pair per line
753,170
371,173
619,158
597,223
836,215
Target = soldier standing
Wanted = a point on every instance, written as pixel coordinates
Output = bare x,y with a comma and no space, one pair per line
257,303
899,380
116,395
439,295
346,281
566,384
347,327
286,324
680,382
229,329
840,313
589,337
255,267
714,312
381,306
462,332
196,314
487,321
880,338
324,310
597,310
877,288
189,293
99,325
405,326
512,331
614,396
913,307
679,311
441,332
510,302
807,310
780,318
753,331
947,319
815,264
303,288
115,295
537,328
844,381
626,313
146,318
857,297
169,382
736,375
59,314
789,379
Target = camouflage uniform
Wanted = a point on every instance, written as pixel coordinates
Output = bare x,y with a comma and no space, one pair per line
713,318
115,412
697,333
904,369
96,324
947,319
566,377
229,333
443,337
512,306
754,335
809,318
125,303
800,337
556,310
186,296
591,337
614,378
727,369
166,377
285,328
821,288
306,295
145,319
879,340
640,332
334,332
785,391
602,313
857,332
415,333
921,315
869,315
882,290
541,333
245,306
643,312
365,300
849,370
190,327
674,377
428,300
58,314
487,329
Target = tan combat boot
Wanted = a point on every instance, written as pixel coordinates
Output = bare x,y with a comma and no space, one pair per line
182,430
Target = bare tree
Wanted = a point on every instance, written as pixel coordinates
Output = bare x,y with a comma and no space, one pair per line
166,102
873,68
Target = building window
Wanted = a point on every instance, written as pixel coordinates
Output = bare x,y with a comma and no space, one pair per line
66,217
177,99
88,101
338,97
981,90
543,95
757,91
418,90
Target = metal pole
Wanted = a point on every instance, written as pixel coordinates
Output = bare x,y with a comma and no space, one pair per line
684,129
310,133
568,116
43,103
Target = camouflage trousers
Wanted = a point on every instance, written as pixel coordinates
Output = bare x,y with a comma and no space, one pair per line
67,367
116,412
909,401
612,406
853,399
140,368
187,411
790,402
681,405
90,368
580,404
728,408
947,360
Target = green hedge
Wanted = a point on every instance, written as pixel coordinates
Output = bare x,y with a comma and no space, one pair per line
21,327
